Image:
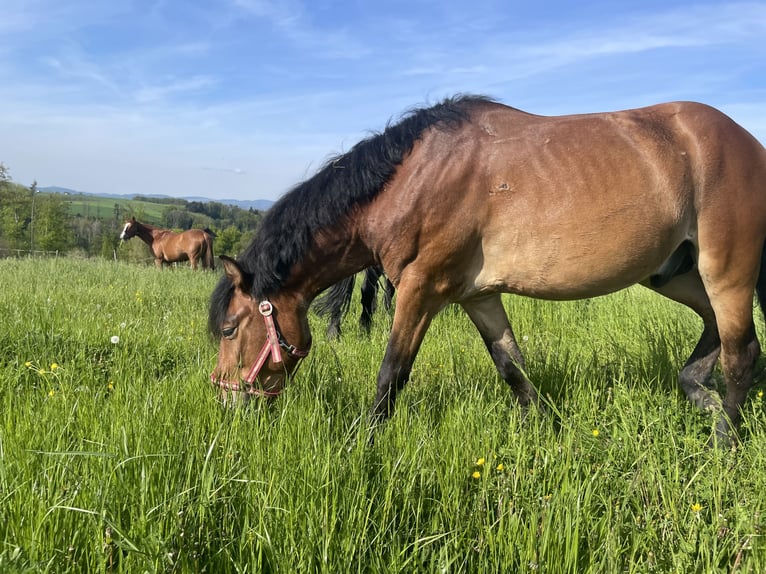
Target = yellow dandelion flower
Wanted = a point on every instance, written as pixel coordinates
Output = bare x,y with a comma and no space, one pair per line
760,394
476,474
54,366
696,507
28,364
500,467
480,462
110,386
595,432
51,392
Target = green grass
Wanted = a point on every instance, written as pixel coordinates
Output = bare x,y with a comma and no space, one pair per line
120,459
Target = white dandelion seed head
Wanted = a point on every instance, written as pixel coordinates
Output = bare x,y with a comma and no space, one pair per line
115,339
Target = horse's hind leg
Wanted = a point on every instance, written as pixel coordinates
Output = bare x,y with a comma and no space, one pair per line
333,326
388,293
695,376
369,297
490,319
730,280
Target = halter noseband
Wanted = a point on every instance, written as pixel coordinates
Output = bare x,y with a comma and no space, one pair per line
273,346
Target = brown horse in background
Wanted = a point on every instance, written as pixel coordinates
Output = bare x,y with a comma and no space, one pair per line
468,199
194,245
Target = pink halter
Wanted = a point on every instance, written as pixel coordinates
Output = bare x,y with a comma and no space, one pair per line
273,346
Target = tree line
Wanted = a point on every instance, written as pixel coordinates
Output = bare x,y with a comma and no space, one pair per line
39,221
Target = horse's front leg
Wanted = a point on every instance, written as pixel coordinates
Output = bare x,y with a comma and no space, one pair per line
414,312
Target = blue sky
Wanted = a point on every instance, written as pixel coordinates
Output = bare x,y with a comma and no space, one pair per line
245,98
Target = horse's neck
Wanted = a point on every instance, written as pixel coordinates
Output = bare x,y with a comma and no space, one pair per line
148,234
330,260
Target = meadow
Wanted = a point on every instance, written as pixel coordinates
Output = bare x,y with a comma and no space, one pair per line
115,455
97,207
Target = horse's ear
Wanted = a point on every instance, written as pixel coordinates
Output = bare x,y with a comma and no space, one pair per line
238,276
133,219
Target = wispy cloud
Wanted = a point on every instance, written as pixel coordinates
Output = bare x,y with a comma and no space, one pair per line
285,14
293,21
675,28
174,87
233,170
526,53
74,69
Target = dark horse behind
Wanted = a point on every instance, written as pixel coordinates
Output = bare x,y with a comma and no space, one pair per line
193,245
336,301
468,199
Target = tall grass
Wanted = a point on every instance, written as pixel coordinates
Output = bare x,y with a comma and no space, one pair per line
120,459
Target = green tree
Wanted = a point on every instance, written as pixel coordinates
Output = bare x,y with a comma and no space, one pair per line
15,213
51,223
178,219
227,241
108,246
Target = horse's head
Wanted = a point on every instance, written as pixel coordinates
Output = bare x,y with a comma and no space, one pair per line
129,229
254,357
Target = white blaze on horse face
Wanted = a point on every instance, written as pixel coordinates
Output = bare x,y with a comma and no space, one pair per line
124,230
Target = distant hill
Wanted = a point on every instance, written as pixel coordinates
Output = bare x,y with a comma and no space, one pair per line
258,204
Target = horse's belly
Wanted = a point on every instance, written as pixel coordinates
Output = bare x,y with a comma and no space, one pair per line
589,265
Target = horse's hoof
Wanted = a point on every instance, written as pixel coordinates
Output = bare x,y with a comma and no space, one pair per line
725,436
706,400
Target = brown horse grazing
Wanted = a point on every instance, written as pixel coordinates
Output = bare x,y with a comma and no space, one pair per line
169,247
468,199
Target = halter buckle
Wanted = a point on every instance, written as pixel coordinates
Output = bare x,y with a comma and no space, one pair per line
265,308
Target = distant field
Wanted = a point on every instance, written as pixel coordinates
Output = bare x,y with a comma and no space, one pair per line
104,208
116,457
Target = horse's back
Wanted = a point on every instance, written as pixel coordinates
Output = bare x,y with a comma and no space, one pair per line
567,206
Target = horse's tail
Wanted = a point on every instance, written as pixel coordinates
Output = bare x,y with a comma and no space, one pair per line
335,303
209,255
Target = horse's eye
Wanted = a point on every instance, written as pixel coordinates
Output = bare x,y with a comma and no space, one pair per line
228,332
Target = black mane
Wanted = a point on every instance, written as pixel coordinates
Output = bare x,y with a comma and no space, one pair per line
347,180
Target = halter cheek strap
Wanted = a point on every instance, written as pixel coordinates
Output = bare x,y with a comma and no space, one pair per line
270,346
273,346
